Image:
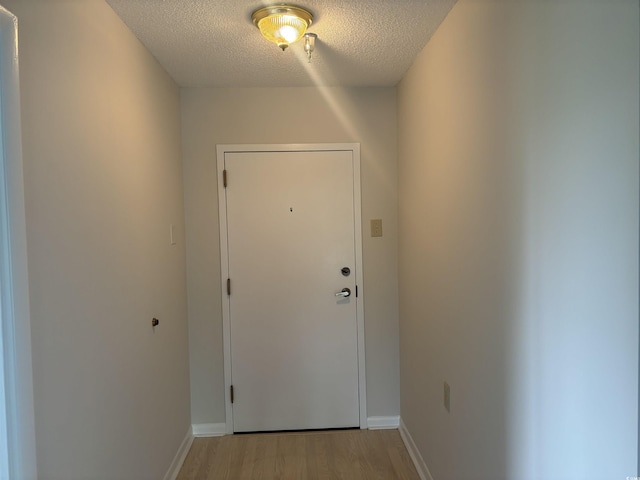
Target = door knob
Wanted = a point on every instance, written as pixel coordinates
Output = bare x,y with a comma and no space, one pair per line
344,293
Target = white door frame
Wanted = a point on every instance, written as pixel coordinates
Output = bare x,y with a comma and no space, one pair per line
18,456
224,259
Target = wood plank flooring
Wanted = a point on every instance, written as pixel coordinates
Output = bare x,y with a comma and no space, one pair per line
322,455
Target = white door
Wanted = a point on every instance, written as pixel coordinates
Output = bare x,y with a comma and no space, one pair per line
291,238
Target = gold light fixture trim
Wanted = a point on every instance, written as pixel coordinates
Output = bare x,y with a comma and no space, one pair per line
282,24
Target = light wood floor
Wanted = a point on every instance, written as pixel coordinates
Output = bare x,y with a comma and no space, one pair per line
336,454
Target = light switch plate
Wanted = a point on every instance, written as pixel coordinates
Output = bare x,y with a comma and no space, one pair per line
376,228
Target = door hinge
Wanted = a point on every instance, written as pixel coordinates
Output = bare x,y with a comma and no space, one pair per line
228,286
231,391
224,178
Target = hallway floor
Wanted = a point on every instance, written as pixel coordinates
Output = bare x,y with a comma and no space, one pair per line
334,454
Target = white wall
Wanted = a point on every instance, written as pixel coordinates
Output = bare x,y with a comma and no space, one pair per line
518,241
304,115
103,181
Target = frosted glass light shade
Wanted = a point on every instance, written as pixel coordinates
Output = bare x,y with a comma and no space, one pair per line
282,24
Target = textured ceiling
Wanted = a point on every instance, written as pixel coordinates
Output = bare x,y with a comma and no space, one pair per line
214,42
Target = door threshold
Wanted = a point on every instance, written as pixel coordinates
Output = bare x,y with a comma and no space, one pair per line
299,432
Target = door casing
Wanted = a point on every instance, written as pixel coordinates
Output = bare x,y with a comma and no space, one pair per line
224,259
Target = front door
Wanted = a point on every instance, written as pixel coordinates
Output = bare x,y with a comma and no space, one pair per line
291,237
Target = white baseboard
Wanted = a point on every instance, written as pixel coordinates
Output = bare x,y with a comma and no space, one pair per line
178,460
418,461
383,423
209,429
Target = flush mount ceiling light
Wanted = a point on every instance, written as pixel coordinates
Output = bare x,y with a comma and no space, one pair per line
282,24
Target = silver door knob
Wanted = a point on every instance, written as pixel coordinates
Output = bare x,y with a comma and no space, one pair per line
344,293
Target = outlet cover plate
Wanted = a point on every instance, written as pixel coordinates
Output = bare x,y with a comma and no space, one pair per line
447,397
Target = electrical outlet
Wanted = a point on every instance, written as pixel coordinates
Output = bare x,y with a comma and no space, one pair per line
172,234
447,397
376,228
